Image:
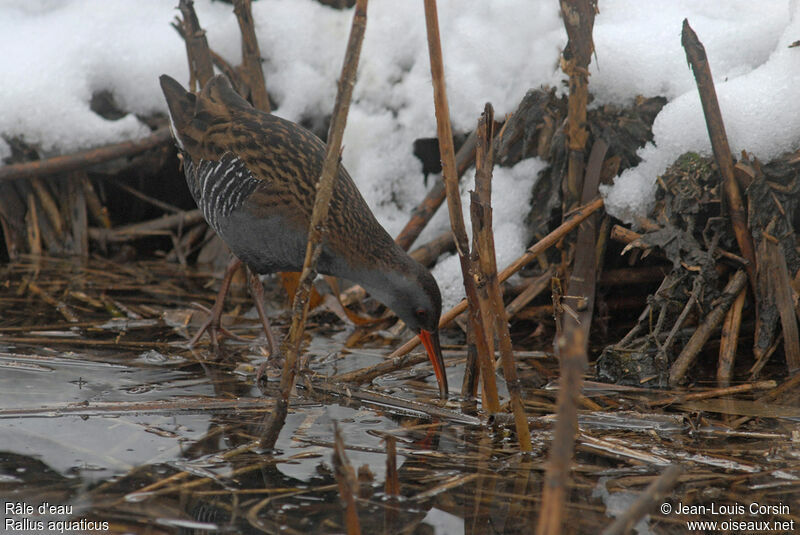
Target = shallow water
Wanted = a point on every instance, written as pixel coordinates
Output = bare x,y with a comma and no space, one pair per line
109,439
115,421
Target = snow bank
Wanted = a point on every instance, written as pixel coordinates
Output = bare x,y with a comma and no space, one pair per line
57,53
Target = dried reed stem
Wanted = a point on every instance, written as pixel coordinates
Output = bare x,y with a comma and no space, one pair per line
711,321
578,16
578,216
425,210
729,341
201,68
392,487
491,299
319,216
653,494
714,393
696,56
83,159
251,56
444,132
572,354
346,479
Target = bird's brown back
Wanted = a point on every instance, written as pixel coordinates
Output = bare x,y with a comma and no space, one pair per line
286,159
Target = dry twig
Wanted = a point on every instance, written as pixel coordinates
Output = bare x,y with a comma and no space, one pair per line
711,321
83,159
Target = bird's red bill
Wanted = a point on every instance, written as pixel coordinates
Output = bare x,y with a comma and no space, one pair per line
431,342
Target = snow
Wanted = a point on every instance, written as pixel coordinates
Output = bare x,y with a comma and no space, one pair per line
57,53
511,196
758,87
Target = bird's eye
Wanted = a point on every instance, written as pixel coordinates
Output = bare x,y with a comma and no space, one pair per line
421,313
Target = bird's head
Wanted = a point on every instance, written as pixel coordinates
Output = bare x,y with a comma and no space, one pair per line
414,297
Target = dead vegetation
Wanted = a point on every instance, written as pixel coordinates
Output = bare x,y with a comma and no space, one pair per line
706,373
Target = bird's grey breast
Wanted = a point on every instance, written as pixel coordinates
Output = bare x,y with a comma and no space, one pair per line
219,187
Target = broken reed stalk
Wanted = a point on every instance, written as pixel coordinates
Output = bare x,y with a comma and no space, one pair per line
391,364
696,56
319,215
647,500
400,359
392,486
346,479
216,59
729,341
578,16
48,239
197,51
572,335
475,365
427,253
784,388
83,159
12,222
491,299
146,228
62,308
572,355
95,207
86,342
425,210
32,225
78,212
251,56
444,132
572,332
583,278
532,290
576,217
714,393
781,292
665,346
762,357
49,206
324,388
703,332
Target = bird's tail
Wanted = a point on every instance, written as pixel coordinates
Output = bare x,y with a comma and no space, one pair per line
181,104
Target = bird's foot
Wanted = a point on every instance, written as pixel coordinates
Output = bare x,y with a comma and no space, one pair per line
212,326
271,368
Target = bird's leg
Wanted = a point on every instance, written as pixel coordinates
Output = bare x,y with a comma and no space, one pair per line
212,323
257,291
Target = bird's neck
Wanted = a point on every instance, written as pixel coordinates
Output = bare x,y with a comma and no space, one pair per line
387,281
